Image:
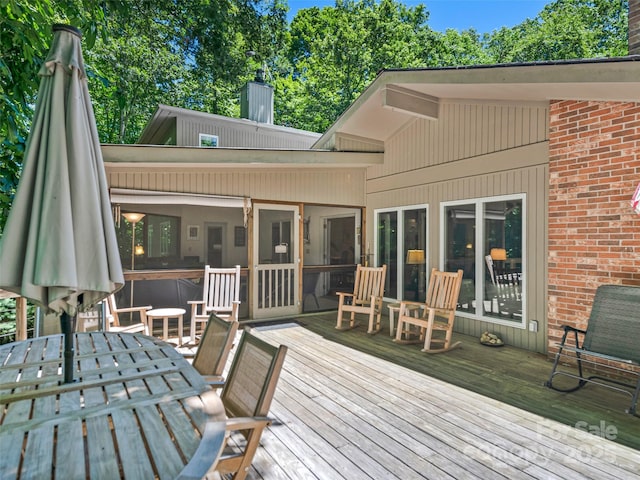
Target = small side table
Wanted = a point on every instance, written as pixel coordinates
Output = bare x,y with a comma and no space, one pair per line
165,314
395,308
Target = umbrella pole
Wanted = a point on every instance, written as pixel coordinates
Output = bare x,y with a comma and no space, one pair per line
67,324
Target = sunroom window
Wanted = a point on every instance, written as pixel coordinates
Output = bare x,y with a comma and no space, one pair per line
401,244
156,243
485,238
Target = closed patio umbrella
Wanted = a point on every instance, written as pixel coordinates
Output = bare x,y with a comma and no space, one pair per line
59,247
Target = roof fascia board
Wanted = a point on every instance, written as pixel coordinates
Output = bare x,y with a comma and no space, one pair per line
154,155
597,70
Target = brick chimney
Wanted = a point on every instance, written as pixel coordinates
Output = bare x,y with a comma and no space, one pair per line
634,27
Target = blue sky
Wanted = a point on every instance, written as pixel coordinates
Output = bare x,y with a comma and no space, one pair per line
483,15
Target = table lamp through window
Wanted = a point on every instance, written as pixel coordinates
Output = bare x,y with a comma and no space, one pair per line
416,258
499,255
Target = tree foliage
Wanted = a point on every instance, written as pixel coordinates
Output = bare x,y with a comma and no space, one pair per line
197,54
565,29
25,35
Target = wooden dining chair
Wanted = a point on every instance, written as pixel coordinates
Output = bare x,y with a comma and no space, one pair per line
213,350
220,295
366,298
247,396
437,313
112,319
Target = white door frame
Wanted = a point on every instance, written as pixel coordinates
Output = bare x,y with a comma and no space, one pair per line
275,290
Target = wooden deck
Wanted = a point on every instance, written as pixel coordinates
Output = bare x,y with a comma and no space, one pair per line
342,412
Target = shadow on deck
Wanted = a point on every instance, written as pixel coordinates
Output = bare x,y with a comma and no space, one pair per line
508,374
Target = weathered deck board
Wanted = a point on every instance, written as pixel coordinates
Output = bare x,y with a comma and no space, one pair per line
508,374
341,413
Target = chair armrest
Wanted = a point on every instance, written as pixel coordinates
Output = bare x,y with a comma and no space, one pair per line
207,453
569,328
246,423
212,442
214,381
408,303
235,310
135,309
194,308
345,294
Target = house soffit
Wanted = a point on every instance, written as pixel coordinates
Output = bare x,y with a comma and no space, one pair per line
376,115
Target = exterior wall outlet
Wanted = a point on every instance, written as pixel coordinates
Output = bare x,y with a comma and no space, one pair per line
533,326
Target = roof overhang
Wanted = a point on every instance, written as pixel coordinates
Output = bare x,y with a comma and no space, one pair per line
397,97
238,158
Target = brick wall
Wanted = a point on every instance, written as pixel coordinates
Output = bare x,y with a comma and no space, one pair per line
594,235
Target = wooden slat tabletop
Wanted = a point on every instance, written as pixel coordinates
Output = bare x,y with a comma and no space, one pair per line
136,409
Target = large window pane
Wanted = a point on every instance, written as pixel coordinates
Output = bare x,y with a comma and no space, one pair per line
157,242
484,238
503,258
388,250
402,246
415,247
460,250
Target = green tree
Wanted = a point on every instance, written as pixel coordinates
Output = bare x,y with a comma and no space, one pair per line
565,29
218,34
132,70
194,54
25,37
138,53
335,52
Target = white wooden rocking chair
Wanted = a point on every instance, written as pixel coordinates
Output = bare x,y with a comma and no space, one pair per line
220,295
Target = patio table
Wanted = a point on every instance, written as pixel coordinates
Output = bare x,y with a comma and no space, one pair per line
136,409
164,314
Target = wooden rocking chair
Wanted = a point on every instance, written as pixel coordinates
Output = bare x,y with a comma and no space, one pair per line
438,312
220,295
112,320
247,397
366,298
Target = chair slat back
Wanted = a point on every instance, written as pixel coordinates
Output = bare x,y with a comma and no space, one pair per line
614,323
215,345
221,288
444,288
253,377
369,281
